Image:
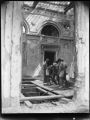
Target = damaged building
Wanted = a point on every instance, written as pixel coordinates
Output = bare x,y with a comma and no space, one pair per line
31,32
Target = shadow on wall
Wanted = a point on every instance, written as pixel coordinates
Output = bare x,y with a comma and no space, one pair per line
37,71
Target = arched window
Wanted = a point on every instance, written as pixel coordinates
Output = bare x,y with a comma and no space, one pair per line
50,30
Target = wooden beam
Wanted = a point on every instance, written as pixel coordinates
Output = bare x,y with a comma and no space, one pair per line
25,82
49,10
28,85
30,8
45,91
27,103
39,98
71,5
45,88
35,4
46,2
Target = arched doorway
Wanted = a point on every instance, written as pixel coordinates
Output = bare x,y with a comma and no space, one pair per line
49,49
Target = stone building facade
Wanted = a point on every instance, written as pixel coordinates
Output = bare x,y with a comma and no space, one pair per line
49,35
12,42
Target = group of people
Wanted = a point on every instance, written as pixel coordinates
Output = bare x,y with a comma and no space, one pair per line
55,73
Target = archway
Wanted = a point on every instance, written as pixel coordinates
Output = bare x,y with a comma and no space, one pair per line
50,30
25,27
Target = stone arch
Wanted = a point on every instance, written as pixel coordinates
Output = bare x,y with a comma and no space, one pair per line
26,26
48,22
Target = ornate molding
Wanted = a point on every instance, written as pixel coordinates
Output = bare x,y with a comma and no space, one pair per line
26,25
49,22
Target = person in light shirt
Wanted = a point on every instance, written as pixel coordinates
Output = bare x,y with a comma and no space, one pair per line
45,71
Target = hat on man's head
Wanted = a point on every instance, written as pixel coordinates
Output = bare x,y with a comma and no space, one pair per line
47,59
56,61
59,60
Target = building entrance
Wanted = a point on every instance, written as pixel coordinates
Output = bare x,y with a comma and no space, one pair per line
50,55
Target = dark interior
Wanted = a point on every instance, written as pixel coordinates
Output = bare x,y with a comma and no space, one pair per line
50,55
50,30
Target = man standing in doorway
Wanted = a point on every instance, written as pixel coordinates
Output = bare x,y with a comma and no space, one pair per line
62,73
45,71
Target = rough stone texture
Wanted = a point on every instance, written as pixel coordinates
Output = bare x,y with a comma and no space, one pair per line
11,59
16,50
11,52
6,13
33,53
59,107
82,49
36,22
37,18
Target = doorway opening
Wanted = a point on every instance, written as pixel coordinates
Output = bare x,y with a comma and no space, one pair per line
51,55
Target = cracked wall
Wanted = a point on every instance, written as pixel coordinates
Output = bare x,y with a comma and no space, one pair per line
11,52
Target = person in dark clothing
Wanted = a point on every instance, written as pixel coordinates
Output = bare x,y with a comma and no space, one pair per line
55,72
62,73
50,69
45,70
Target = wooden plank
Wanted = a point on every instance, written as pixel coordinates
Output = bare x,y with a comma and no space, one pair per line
35,4
39,8
28,85
71,5
44,87
66,93
27,103
39,98
53,3
28,94
25,83
45,91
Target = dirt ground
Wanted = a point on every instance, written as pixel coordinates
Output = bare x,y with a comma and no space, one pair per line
55,107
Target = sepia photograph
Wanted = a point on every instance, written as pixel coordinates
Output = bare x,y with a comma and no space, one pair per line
44,57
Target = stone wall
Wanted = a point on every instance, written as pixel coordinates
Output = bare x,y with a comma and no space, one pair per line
37,21
34,53
38,17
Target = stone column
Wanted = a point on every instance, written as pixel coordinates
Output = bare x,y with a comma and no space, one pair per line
82,49
6,27
11,17
16,54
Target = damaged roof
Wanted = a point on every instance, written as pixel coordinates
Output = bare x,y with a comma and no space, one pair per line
59,6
